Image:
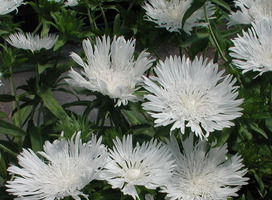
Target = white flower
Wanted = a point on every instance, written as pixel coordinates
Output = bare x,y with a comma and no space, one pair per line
253,50
111,68
251,10
7,6
28,41
68,167
192,91
202,173
169,14
148,165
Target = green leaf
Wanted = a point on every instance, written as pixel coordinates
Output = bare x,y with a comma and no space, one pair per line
222,4
224,136
194,7
42,68
35,137
61,41
117,25
10,129
3,114
268,124
256,128
6,98
51,103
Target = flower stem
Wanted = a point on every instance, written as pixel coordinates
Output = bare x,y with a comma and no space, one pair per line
15,104
214,39
92,22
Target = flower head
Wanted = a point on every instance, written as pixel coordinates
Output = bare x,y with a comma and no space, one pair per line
251,10
7,6
202,173
146,165
111,68
69,166
193,92
169,14
32,42
253,50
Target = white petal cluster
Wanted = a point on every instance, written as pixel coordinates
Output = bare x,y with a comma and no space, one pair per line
147,165
169,14
65,168
253,50
202,173
111,68
250,11
29,41
7,6
194,92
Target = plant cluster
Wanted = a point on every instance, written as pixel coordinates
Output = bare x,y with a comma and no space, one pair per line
197,125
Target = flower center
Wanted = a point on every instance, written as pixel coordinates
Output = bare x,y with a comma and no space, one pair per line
133,174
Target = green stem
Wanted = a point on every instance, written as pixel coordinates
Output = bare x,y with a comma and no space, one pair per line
214,39
15,104
37,28
92,22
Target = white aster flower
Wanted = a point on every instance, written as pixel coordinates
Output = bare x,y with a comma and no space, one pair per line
253,50
204,173
251,10
111,68
28,41
65,169
193,92
169,14
7,6
147,165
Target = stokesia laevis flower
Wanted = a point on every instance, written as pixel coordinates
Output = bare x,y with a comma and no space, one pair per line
253,50
7,6
68,167
194,92
111,68
204,173
251,10
148,165
29,41
169,14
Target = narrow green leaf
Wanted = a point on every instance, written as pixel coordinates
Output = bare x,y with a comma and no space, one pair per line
42,68
224,136
51,103
222,4
10,129
35,137
117,25
194,7
6,98
255,127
